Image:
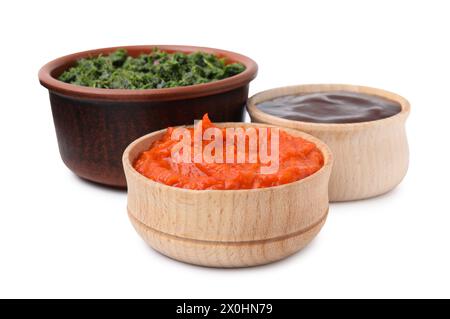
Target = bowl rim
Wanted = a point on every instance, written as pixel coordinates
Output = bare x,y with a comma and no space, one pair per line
324,148
316,88
47,79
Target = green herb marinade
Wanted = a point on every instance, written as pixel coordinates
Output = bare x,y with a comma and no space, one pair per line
149,71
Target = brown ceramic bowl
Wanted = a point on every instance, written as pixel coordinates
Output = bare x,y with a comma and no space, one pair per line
94,126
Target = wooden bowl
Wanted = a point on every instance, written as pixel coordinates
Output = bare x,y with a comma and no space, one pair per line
371,158
227,228
93,126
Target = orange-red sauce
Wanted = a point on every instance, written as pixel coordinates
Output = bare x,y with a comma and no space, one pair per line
298,159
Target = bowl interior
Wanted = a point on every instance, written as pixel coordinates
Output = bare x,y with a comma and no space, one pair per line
135,51
143,143
49,73
264,117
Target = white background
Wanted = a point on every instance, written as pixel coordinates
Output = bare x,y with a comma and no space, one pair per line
62,237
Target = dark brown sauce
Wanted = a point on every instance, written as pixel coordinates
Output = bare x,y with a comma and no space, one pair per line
331,107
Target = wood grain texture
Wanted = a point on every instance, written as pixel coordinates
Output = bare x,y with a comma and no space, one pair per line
371,158
227,228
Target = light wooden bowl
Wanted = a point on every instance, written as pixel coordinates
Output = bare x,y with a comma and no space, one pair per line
227,228
371,158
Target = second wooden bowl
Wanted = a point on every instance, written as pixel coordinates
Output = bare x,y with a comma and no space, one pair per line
371,158
227,228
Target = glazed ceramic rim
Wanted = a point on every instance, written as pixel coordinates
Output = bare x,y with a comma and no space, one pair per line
49,72
316,88
324,149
